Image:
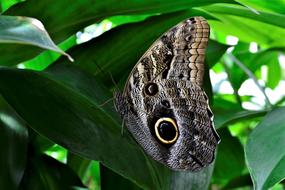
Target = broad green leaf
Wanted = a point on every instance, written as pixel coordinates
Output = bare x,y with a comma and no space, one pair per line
111,180
215,51
62,21
249,30
237,10
25,30
5,4
188,180
239,181
44,59
230,159
44,172
64,105
13,145
226,112
72,19
265,150
124,19
276,6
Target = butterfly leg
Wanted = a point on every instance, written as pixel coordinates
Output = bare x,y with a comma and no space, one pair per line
122,107
122,127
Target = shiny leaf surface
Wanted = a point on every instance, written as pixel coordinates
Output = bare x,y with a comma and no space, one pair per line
265,150
25,30
13,145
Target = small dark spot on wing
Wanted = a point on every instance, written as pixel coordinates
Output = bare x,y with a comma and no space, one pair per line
197,160
181,76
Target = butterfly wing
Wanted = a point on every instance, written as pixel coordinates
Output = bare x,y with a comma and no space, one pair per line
163,103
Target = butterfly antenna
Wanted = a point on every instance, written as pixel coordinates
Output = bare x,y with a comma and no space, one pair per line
116,89
114,82
106,102
101,70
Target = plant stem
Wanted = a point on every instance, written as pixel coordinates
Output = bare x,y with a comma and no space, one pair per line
250,75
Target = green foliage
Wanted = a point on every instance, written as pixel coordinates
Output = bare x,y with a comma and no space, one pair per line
270,135
58,129
24,30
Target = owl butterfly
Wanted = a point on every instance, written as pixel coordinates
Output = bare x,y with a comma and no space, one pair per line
163,103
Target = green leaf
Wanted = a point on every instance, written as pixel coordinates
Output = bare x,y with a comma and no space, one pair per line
214,52
265,152
13,145
265,17
239,181
87,170
44,59
274,71
276,6
230,159
72,20
25,30
118,182
41,143
248,30
196,181
64,105
62,21
227,112
5,4
78,164
236,75
44,172
57,152
254,61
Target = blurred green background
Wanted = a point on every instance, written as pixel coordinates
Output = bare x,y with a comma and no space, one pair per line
58,129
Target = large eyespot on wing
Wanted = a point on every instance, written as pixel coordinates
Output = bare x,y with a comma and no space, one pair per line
166,130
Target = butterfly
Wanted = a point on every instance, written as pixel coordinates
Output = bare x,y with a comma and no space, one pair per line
163,103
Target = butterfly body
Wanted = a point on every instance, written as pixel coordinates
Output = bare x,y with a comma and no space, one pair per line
164,105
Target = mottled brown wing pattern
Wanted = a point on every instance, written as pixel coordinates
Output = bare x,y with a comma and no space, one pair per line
164,105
